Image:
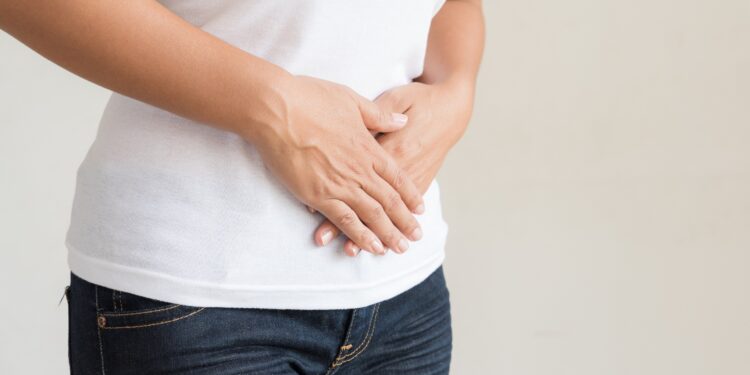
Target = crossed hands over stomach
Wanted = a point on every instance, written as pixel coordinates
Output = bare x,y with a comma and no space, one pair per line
354,161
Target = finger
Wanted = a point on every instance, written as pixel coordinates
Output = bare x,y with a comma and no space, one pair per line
347,220
399,181
379,120
396,100
350,248
372,213
310,209
396,209
325,233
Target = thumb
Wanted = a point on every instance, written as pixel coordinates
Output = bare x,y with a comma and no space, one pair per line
379,120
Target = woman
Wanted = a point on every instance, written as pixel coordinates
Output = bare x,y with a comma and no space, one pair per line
234,129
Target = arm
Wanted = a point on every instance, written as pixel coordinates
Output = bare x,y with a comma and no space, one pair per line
311,133
140,49
454,51
438,103
455,44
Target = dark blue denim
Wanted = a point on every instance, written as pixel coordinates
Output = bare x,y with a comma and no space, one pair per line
113,332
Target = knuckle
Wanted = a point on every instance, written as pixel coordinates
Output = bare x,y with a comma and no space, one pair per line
392,202
375,212
321,190
354,166
383,117
346,219
399,179
314,193
365,185
364,236
380,163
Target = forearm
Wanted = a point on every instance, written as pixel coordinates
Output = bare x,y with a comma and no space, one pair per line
455,43
454,51
140,49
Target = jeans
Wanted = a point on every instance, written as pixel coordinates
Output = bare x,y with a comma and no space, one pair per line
113,332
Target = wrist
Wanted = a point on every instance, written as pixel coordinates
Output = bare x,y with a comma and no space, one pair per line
458,86
458,94
455,99
269,107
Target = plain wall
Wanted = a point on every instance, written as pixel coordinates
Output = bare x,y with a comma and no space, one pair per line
599,203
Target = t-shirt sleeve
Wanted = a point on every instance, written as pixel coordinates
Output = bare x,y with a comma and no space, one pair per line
438,5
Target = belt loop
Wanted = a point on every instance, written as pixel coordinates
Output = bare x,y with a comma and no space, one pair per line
66,295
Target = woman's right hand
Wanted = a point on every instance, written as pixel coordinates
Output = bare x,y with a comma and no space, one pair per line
320,146
311,133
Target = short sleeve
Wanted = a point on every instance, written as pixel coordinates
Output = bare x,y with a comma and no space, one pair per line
438,5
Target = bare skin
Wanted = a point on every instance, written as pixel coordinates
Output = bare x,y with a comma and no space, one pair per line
439,104
140,49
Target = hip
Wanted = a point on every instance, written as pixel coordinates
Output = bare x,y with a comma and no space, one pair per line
115,332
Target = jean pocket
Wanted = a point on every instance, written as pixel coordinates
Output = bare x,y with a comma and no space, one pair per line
122,310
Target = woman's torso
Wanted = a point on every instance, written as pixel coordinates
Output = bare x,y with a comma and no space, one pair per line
182,212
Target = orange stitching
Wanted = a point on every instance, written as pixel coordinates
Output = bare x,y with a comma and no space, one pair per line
355,355
170,307
333,368
158,323
341,362
370,331
367,333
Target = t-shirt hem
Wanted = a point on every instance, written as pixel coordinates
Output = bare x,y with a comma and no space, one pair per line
183,291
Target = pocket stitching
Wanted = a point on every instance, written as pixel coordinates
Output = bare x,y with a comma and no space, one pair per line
156,323
141,312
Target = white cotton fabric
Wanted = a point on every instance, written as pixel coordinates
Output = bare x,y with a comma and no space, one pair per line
179,211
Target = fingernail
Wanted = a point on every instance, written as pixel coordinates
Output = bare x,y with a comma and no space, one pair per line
419,210
403,245
416,234
399,118
355,249
377,247
326,237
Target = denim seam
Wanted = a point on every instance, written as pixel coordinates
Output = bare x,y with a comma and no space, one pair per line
333,368
114,300
170,307
370,329
98,329
157,323
351,326
361,348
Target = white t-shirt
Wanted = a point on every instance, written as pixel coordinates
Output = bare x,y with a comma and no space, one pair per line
179,211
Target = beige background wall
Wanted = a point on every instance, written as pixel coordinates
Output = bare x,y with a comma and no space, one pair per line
599,204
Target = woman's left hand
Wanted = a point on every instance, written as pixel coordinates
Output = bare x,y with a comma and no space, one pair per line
438,115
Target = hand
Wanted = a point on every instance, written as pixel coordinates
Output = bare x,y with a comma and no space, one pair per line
321,150
438,114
